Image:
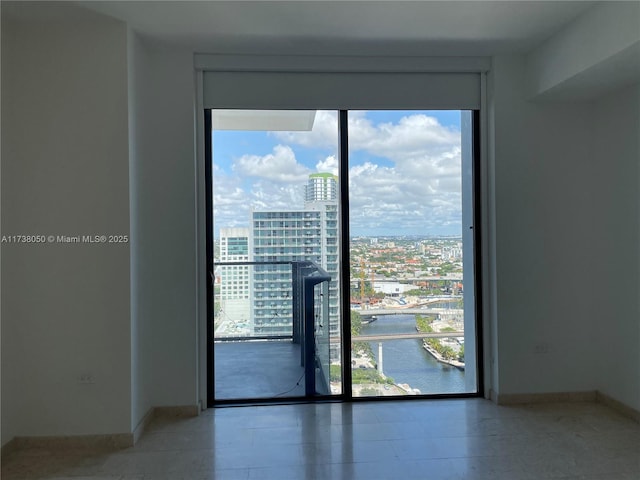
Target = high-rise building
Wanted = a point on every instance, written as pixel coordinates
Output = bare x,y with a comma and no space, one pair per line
309,234
321,187
235,282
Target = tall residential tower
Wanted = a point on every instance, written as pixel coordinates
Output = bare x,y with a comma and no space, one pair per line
310,234
235,282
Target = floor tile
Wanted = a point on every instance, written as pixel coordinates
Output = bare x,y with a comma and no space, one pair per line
466,439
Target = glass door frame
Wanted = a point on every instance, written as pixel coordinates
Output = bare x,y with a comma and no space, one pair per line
308,283
344,238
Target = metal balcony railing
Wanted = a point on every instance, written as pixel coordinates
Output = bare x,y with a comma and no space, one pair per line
301,312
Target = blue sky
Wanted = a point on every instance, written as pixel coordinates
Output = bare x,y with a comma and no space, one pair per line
404,169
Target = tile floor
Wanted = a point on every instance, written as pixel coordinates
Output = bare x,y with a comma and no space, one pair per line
437,439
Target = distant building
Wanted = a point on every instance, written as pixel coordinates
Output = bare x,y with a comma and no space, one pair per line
235,280
321,187
393,289
452,253
309,234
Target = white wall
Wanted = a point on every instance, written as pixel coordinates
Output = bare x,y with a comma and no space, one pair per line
141,325
616,119
544,195
65,307
596,52
163,218
80,97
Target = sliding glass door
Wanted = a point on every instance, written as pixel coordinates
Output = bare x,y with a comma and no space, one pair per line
304,259
411,257
276,322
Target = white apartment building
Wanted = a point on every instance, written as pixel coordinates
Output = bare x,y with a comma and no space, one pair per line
235,280
310,234
321,187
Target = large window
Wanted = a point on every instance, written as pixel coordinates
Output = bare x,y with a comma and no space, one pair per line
410,268
366,168
384,208
275,223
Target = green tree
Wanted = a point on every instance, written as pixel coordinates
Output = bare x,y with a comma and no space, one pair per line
369,392
335,373
368,375
356,323
363,349
416,292
448,353
423,323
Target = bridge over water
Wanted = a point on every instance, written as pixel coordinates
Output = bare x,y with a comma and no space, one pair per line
410,311
402,336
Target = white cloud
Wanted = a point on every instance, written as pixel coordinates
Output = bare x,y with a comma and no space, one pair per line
235,196
266,195
279,166
384,196
324,133
230,206
328,165
417,189
413,136
421,189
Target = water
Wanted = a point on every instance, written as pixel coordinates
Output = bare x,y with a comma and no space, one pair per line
407,362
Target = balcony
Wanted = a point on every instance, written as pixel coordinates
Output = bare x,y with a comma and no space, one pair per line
258,369
260,354
273,351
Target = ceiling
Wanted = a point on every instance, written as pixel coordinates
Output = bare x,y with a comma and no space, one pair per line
347,27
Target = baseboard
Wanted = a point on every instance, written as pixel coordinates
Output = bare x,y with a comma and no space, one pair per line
178,411
8,448
113,441
493,396
142,425
618,406
521,398
183,411
590,396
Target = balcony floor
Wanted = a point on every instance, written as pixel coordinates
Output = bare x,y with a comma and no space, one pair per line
257,370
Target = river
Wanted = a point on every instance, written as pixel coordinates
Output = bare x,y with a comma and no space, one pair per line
407,362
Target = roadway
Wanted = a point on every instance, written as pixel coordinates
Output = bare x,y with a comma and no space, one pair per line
409,311
446,278
403,336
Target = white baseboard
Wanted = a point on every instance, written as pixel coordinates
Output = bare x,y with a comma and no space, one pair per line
182,411
590,396
8,448
114,441
618,406
177,411
142,425
520,398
